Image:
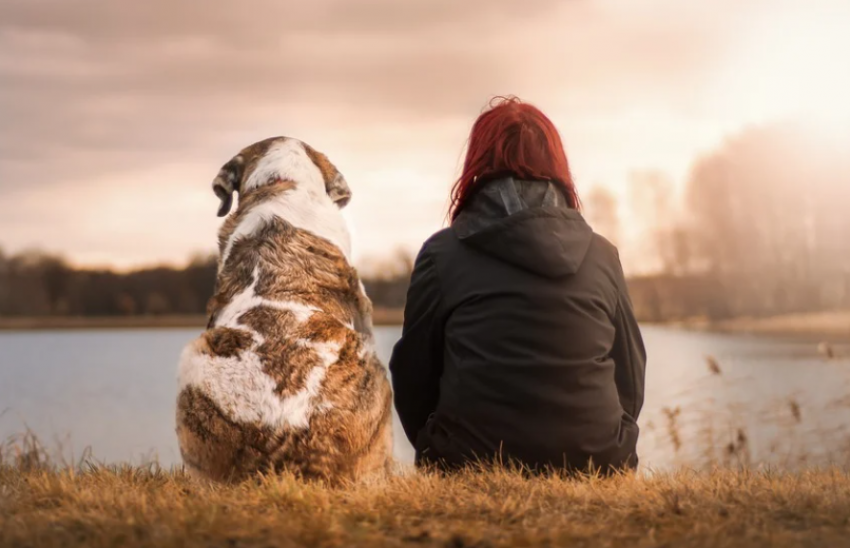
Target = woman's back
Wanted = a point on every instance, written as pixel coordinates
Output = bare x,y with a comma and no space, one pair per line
528,298
519,340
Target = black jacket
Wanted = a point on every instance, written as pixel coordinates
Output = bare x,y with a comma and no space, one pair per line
519,338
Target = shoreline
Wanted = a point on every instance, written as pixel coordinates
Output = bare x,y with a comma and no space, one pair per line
832,327
381,317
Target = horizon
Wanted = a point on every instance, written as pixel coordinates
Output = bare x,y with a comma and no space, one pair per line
115,130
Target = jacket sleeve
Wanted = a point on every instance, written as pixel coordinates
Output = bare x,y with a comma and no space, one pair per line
417,361
628,353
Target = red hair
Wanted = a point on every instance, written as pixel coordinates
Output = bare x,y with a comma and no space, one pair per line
512,138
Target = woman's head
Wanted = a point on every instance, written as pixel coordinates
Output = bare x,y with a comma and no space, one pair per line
513,138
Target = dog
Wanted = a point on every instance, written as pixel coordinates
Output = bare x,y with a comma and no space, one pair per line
285,377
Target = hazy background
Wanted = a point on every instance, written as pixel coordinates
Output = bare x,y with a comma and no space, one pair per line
115,116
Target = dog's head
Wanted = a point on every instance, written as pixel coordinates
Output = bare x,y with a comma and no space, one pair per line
279,159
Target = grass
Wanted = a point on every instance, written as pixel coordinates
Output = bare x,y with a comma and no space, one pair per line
84,504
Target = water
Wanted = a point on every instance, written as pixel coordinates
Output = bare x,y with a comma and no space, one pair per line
114,392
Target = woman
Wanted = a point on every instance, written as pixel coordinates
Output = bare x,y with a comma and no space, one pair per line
519,339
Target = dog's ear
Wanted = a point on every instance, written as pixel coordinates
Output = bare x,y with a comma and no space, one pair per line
339,191
335,184
227,182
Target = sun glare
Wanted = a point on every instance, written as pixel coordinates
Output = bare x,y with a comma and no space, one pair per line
797,64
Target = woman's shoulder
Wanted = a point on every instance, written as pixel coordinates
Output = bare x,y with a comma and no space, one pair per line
605,257
438,251
604,245
439,242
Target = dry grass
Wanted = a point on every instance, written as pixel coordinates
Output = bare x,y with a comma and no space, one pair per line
92,506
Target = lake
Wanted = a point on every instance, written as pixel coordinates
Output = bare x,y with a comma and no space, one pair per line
773,402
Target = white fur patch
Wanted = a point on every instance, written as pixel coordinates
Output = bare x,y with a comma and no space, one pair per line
286,159
238,384
248,299
307,206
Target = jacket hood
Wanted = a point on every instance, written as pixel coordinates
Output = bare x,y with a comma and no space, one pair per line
527,224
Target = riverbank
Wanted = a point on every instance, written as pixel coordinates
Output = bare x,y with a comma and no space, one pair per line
135,507
831,326
381,316
816,326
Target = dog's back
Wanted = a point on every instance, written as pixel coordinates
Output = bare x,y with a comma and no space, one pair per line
286,374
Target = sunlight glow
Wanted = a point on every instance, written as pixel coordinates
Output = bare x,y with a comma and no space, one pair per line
796,63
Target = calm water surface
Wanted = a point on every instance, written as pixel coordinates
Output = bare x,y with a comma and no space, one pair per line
776,401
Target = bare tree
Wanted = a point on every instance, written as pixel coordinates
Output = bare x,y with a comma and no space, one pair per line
601,209
651,198
769,219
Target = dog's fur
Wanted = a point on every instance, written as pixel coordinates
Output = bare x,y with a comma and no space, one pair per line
285,376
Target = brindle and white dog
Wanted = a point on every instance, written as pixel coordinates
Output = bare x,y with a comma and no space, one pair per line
285,376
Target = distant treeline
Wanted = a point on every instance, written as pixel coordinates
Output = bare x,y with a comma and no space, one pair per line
762,228
38,284
35,284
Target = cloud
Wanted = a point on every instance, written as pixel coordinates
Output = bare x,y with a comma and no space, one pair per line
105,89
159,79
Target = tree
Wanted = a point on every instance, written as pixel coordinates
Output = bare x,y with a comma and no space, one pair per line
601,209
651,197
768,211
125,304
157,304
56,276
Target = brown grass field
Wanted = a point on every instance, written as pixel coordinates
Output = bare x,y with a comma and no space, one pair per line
97,506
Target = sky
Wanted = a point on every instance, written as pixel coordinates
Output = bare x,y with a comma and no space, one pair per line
116,115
